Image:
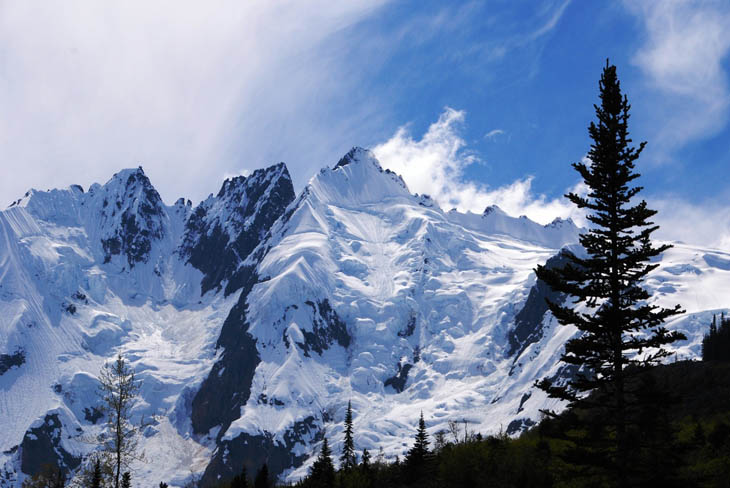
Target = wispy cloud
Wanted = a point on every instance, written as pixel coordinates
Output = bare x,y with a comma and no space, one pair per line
682,59
552,21
493,134
189,90
435,165
706,223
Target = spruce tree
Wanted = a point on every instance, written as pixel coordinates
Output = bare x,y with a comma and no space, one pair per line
419,452
620,332
365,463
96,475
126,480
240,480
322,473
348,459
716,344
262,477
417,462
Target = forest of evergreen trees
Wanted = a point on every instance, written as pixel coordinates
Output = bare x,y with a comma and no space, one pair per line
630,421
716,343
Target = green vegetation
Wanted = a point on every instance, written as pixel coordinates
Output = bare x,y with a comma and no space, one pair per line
620,334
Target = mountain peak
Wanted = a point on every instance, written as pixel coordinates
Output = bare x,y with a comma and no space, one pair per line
132,216
223,230
493,209
357,154
357,178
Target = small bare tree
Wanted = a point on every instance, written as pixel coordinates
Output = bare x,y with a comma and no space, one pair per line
119,390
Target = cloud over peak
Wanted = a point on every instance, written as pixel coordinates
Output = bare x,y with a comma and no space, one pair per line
435,165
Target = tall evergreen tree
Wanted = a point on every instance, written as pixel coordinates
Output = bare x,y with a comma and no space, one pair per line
240,480
322,473
96,479
716,343
348,459
60,481
418,459
262,477
126,480
620,333
419,452
366,459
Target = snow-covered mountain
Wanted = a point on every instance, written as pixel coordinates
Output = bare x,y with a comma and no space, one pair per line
254,317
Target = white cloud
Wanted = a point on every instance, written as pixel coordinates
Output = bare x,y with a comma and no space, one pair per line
189,90
435,165
493,134
682,58
706,224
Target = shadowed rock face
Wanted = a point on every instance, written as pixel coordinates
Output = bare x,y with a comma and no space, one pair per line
398,382
41,447
223,230
136,211
528,321
328,329
8,361
252,451
228,386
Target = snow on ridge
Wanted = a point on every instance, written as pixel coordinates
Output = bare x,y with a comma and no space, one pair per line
427,299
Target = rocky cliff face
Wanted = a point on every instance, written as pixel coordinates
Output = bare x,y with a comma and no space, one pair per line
254,317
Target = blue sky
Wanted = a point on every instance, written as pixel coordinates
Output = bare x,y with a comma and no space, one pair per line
473,102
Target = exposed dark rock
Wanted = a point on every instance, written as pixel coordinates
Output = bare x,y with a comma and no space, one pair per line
524,398
250,206
8,361
41,447
528,321
252,451
398,382
519,425
328,328
410,327
140,223
92,414
228,386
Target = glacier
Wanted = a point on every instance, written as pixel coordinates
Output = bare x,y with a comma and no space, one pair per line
255,316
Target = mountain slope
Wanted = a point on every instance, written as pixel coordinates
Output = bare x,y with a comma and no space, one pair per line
84,275
254,317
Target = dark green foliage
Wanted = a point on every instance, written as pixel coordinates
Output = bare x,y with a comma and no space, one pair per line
322,472
241,479
49,476
418,462
620,333
96,477
684,444
348,459
716,343
262,477
126,480
365,463
163,484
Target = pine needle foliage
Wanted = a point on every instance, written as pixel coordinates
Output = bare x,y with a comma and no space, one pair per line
620,332
348,460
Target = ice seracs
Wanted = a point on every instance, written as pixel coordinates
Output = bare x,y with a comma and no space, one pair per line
255,316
